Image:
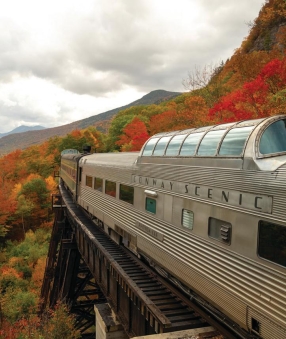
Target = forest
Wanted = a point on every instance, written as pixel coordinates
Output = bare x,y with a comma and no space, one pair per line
250,85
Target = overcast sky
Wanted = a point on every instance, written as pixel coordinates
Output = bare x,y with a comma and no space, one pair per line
65,60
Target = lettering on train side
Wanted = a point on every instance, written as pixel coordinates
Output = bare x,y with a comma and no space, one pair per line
252,201
225,196
150,231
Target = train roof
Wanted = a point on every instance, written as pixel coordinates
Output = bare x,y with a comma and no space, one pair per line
120,159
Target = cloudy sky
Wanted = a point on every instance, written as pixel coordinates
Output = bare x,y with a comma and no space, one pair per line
65,60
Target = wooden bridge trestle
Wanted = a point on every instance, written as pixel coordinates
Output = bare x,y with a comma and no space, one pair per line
67,278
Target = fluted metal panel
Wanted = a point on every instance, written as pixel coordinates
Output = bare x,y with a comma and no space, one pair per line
221,275
267,329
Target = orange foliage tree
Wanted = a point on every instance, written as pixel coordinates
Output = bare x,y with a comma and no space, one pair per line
192,112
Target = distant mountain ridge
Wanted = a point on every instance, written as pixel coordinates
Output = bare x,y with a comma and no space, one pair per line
22,129
23,140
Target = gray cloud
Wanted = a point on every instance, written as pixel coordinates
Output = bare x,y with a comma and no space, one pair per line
91,52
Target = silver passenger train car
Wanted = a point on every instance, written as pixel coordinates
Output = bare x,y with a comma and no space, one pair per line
206,207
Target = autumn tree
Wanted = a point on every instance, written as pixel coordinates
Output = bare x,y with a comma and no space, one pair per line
195,111
94,138
37,161
33,201
189,113
134,136
257,98
10,167
119,122
247,103
74,140
164,122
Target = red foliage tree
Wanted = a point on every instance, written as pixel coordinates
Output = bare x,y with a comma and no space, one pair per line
254,98
274,74
134,137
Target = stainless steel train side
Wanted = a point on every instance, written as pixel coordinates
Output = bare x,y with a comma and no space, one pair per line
70,172
210,221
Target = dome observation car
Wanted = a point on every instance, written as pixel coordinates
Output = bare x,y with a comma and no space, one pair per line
255,139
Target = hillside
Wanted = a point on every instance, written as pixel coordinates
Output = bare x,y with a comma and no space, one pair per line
22,129
23,140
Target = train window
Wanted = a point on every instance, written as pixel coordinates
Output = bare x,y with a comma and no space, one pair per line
150,205
190,144
210,142
187,219
175,144
98,183
110,188
148,149
161,145
220,230
233,143
272,242
88,181
126,193
273,140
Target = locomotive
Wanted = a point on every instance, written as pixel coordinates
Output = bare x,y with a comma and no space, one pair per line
206,208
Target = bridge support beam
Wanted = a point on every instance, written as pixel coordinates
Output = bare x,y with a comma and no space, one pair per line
107,326
67,278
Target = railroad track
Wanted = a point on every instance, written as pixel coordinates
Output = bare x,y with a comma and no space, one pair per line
164,306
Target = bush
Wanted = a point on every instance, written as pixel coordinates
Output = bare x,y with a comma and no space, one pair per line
17,304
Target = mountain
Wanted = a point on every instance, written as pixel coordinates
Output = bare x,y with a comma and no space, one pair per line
22,129
23,140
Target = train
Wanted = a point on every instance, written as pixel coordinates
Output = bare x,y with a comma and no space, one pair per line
206,208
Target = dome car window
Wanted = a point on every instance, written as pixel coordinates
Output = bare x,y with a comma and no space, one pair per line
175,144
234,141
161,145
190,144
148,149
210,142
273,140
